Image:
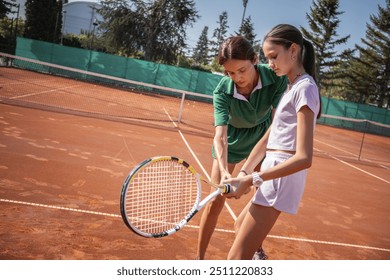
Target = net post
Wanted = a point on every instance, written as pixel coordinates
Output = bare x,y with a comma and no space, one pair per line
364,134
183,97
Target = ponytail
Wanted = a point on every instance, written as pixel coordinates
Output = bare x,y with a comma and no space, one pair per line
309,58
309,63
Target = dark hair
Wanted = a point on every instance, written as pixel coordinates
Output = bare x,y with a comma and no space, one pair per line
286,35
236,47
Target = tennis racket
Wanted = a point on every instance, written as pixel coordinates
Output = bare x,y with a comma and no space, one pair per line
161,195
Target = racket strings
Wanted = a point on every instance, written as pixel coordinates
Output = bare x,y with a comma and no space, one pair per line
160,196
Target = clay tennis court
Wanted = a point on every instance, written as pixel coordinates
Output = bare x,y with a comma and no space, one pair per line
62,166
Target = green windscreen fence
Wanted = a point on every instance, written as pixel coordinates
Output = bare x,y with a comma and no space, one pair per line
354,110
117,66
354,116
168,76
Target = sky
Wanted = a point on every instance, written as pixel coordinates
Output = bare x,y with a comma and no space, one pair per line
266,14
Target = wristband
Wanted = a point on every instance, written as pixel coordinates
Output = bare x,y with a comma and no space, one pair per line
243,171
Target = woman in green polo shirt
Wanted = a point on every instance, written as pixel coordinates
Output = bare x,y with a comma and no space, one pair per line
243,105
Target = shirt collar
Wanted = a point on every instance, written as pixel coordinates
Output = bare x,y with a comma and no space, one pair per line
239,96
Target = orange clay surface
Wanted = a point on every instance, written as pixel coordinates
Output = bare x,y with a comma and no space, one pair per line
61,176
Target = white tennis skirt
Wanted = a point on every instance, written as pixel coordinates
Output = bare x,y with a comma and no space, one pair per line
285,193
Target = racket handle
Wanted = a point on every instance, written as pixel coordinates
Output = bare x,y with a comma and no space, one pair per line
227,188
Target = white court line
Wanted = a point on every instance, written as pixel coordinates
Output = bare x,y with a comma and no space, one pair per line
381,165
195,227
353,166
41,92
336,148
12,84
197,160
58,207
355,155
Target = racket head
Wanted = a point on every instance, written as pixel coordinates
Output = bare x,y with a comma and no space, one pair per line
159,196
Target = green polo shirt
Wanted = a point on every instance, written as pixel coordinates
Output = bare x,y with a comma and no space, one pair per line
247,120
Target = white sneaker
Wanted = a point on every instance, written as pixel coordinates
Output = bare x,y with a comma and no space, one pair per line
259,255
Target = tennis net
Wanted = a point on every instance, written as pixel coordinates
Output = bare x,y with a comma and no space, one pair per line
354,138
31,83
365,126
36,84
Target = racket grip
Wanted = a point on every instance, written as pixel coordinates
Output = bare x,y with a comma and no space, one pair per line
227,188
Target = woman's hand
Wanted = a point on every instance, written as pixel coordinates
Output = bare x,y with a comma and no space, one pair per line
225,175
240,186
242,174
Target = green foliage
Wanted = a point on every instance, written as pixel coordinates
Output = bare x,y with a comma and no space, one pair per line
370,69
247,30
204,68
10,25
219,34
157,28
43,20
323,22
183,61
73,40
260,53
215,67
4,8
201,51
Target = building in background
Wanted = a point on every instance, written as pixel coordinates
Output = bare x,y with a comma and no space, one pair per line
78,16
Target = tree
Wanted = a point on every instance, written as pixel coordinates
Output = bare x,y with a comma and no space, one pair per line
171,19
219,34
371,69
247,30
155,27
8,28
4,8
200,55
10,25
356,87
323,22
58,25
43,20
119,27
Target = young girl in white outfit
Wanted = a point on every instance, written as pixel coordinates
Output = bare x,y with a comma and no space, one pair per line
287,145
